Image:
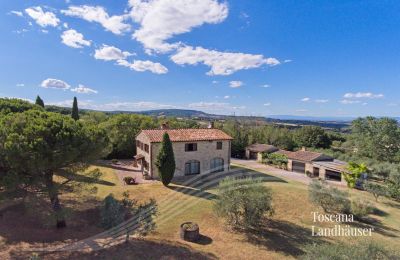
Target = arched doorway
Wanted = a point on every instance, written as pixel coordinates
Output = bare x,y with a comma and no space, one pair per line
217,165
192,167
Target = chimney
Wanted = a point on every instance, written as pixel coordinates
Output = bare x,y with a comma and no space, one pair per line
303,149
165,126
211,125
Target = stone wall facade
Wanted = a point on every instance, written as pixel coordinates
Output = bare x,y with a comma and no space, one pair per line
206,151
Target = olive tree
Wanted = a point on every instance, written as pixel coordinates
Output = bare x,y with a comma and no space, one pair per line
244,203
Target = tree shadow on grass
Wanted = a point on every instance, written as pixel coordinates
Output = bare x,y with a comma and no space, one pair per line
137,249
393,204
34,223
115,167
379,212
83,179
193,192
211,180
376,225
282,236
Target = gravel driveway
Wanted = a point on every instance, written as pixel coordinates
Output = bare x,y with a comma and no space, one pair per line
252,164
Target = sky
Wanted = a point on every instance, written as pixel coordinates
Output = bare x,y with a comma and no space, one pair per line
259,57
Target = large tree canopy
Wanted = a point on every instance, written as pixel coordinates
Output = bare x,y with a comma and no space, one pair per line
122,130
312,136
14,105
36,145
376,138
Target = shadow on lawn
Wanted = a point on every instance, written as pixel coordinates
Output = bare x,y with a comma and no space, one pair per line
33,222
211,180
197,185
377,227
137,249
283,236
114,167
193,192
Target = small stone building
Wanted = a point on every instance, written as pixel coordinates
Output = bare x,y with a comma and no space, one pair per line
196,151
255,151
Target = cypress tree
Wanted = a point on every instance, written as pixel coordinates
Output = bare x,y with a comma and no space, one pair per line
39,101
166,160
75,112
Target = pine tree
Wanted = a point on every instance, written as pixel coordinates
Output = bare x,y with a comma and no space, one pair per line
166,161
39,101
75,112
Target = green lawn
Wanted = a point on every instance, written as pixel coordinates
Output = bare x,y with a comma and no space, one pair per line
283,236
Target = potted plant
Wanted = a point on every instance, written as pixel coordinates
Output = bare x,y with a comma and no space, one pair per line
190,231
129,180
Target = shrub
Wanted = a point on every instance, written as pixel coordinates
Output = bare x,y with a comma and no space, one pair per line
115,212
361,208
341,251
114,161
112,212
243,202
279,160
330,199
355,170
394,185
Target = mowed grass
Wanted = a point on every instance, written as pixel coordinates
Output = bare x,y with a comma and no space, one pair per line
283,236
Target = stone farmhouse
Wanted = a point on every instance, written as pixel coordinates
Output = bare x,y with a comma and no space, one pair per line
196,151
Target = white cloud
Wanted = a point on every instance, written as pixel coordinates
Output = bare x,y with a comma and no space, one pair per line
267,104
392,104
20,85
83,90
55,83
65,25
160,20
215,106
347,101
111,53
306,99
221,63
321,100
144,65
235,84
301,110
227,97
265,86
114,24
214,82
287,61
17,13
74,39
41,17
363,95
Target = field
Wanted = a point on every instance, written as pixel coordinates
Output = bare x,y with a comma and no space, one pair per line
283,236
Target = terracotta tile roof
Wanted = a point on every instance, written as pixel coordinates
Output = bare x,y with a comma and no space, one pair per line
284,152
186,135
308,156
258,148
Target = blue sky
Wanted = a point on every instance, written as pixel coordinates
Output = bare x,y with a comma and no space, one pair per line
259,57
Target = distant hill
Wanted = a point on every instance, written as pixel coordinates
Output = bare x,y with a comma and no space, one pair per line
281,120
